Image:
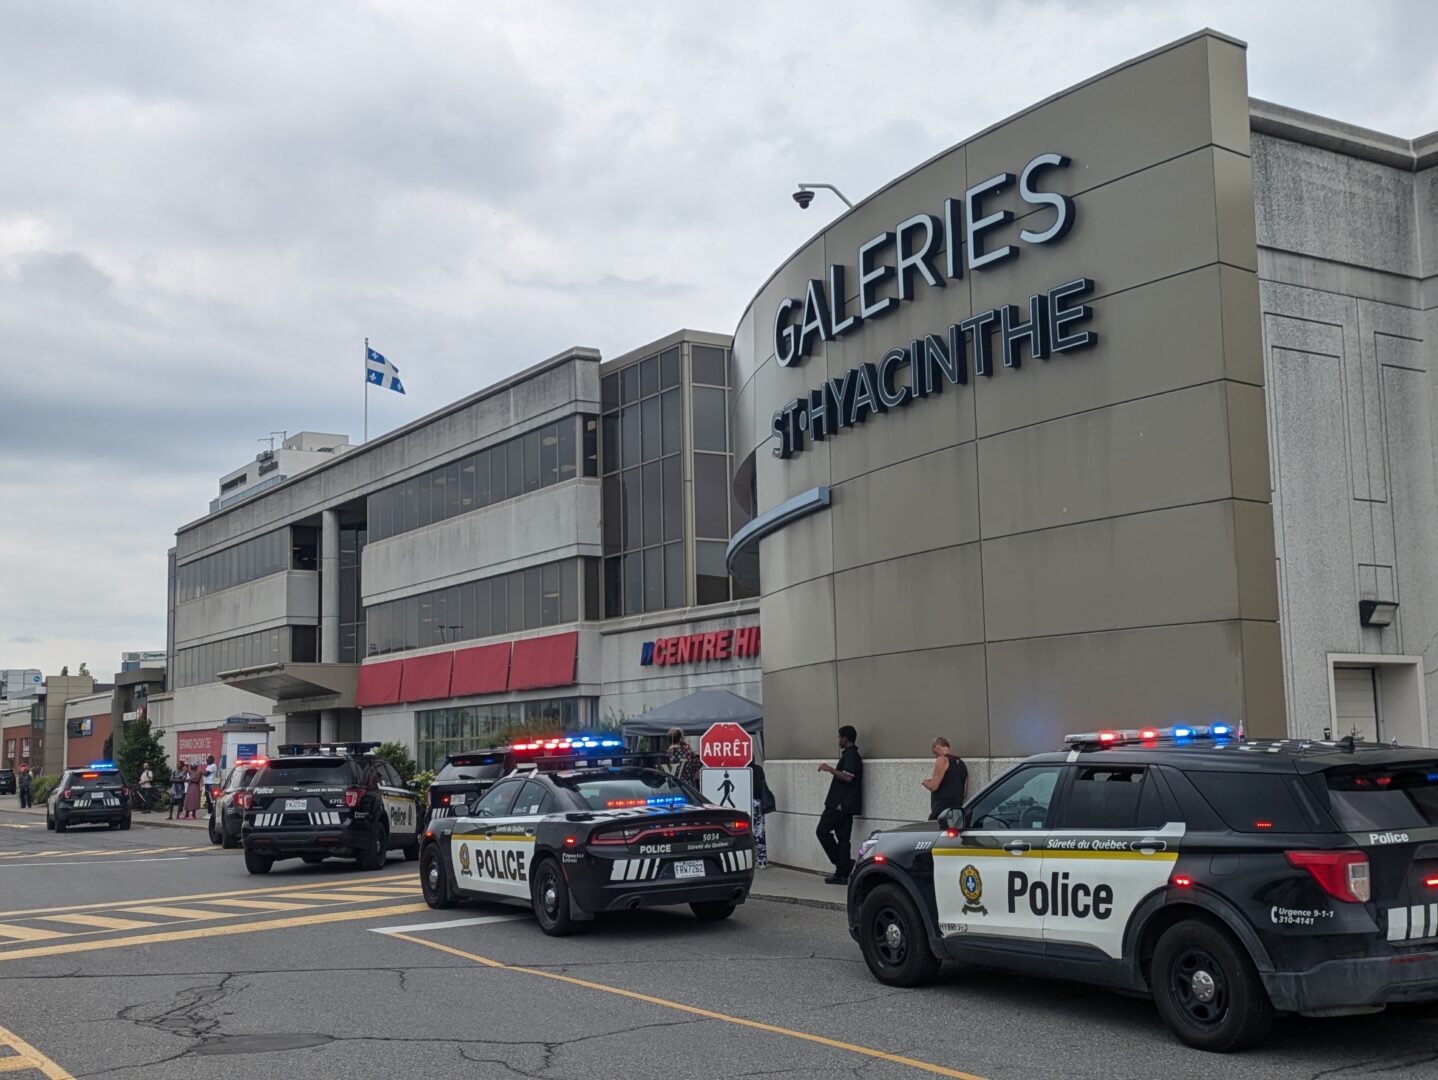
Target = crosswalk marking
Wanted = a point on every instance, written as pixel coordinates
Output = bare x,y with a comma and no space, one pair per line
101,922
178,912
349,898
27,933
262,905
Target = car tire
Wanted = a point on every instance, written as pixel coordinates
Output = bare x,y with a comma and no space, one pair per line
1207,989
215,836
433,881
49,821
549,895
256,863
124,824
373,857
894,939
61,826
411,853
227,841
713,910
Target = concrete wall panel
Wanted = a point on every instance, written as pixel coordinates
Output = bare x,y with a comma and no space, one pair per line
934,690
922,601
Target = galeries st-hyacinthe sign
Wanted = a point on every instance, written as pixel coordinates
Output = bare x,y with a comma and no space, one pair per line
1049,324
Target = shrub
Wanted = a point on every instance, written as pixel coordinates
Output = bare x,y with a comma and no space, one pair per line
397,754
41,786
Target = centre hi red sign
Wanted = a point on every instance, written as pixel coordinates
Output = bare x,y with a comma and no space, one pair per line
726,746
698,648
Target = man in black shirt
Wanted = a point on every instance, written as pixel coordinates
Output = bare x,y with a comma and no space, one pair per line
950,781
844,801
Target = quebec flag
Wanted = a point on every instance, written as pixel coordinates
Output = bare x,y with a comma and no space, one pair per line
381,372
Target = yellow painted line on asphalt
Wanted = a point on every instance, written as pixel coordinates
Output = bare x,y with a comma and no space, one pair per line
33,1058
27,933
276,890
694,1010
100,922
25,825
262,905
188,914
192,933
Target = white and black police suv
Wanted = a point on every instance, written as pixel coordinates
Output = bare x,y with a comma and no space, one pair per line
316,801
95,795
572,841
1231,880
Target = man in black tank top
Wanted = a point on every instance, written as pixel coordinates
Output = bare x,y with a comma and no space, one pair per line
950,781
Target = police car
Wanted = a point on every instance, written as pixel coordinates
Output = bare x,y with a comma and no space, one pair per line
464,777
1229,879
315,801
226,816
95,795
573,841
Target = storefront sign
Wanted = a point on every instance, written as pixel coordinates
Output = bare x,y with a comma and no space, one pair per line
1049,327
199,745
697,648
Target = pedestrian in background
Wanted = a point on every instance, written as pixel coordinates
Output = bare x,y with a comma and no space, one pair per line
147,788
763,804
844,802
211,777
682,756
192,789
949,783
24,784
178,779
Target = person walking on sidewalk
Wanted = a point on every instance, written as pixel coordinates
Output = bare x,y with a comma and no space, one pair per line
211,777
682,756
844,802
950,780
24,785
192,790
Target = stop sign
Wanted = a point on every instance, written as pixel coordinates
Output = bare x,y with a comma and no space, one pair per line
726,746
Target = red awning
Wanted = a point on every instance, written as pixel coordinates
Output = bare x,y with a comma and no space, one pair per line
482,670
378,684
426,677
544,661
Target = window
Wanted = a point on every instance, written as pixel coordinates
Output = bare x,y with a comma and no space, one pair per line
534,799
711,580
1113,797
253,559
1403,797
497,800
1020,801
669,371
590,444
711,425
709,365
1255,801
711,496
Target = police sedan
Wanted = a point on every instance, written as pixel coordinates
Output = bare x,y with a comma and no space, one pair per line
574,842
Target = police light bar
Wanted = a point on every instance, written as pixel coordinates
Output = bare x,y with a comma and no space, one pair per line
102,765
329,748
1147,736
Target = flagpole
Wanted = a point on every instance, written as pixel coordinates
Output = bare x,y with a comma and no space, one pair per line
366,391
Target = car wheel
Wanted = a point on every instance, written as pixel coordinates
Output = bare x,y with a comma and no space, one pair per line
60,826
411,853
215,836
227,841
256,863
713,910
373,857
124,824
549,893
433,881
49,821
1207,989
894,940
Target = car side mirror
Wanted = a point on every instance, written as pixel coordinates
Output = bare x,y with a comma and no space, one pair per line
413,785
953,818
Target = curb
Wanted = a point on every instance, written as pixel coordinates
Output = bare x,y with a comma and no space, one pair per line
798,901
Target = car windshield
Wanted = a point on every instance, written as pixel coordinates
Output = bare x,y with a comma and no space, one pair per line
305,772
1402,797
631,790
95,780
472,767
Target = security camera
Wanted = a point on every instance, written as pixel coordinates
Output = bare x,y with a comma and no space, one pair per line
803,198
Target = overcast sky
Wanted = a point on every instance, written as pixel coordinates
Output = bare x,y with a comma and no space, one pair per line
206,207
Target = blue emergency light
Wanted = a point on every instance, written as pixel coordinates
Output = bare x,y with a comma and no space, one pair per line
102,765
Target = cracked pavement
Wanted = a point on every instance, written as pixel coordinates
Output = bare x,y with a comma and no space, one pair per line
336,999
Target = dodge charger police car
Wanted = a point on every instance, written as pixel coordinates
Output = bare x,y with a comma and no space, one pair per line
317,801
575,842
1231,880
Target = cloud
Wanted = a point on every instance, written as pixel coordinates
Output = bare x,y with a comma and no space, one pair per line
205,209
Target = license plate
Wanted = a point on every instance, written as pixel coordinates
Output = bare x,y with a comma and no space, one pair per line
297,804
689,868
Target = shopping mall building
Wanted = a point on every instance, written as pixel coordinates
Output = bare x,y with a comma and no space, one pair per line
1118,412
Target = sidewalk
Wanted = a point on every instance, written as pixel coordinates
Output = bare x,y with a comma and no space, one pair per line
12,804
791,886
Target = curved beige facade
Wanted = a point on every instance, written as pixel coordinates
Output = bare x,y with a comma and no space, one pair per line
1076,541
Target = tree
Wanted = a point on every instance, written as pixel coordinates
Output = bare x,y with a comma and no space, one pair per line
397,754
138,745
83,669
64,670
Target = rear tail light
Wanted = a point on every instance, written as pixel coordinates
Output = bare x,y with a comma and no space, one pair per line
214,793
353,795
741,826
1343,875
66,793
1431,881
617,836
124,793
244,800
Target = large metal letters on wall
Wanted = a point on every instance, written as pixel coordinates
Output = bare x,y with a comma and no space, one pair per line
1050,326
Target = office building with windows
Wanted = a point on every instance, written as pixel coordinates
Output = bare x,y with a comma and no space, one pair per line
503,565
